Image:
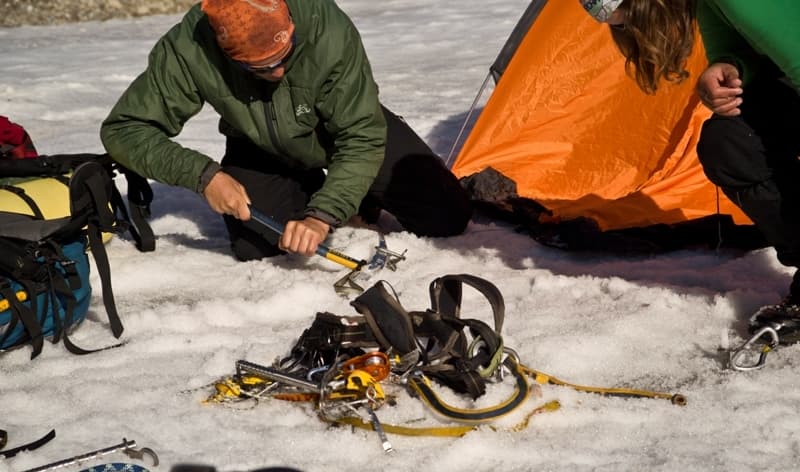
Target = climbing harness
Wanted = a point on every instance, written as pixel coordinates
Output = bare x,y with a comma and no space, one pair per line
352,366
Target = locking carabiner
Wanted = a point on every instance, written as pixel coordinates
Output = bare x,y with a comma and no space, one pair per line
747,349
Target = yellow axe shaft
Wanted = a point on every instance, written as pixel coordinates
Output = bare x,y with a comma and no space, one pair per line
322,250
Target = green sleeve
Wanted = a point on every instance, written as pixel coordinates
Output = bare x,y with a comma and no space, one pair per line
352,115
138,131
746,30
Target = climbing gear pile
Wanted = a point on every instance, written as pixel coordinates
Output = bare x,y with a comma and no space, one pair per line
351,366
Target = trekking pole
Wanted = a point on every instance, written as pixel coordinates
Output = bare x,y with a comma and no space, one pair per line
322,250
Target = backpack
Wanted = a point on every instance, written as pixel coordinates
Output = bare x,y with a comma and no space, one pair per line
44,266
15,143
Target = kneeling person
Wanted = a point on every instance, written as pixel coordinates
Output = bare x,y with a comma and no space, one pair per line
308,142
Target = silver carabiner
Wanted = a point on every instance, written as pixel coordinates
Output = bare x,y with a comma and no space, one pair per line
747,349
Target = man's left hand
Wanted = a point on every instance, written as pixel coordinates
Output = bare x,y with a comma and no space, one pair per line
303,236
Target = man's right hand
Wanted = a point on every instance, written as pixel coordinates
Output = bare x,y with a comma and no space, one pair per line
227,196
719,88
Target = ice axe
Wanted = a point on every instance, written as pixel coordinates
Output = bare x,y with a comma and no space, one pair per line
383,257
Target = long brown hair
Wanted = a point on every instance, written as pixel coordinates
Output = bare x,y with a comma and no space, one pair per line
656,40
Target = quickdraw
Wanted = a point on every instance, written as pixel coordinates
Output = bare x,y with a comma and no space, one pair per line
350,366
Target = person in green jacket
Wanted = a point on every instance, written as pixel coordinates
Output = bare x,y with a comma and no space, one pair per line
307,141
750,147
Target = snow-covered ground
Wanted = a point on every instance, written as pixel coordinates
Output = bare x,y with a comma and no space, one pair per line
190,311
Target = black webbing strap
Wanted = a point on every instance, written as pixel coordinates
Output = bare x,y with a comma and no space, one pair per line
30,446
482,415
44,166
15,260
331,332
140,196
90,179
461,366
63,289
389,321
37,212
23,314
446,293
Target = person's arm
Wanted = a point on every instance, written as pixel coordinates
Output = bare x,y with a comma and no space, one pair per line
351,114
139,129
739,31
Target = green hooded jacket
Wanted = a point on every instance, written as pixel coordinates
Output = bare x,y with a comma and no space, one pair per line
324,113
753,34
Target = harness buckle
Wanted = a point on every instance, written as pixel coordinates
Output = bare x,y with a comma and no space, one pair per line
746,350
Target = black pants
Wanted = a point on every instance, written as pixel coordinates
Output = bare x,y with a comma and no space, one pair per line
753,158
413,184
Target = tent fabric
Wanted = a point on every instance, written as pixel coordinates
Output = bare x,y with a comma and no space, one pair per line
575,133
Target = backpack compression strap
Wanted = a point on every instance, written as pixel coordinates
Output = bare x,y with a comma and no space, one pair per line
90,193
140,194
23,314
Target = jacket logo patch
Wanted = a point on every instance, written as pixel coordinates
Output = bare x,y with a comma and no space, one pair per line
302,109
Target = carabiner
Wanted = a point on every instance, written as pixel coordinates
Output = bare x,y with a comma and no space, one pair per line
746,349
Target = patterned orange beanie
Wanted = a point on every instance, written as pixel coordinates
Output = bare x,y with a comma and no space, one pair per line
250,30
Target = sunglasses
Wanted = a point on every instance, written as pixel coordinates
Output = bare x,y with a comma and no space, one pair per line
274,65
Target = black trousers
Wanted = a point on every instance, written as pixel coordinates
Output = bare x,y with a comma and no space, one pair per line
413,184
755,159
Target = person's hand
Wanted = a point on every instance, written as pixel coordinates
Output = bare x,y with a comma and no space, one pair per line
227,196
719,88
303,236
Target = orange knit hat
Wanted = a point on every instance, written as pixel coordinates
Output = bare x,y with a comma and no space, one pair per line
251,30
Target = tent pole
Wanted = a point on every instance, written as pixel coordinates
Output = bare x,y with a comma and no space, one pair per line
500,63
451,154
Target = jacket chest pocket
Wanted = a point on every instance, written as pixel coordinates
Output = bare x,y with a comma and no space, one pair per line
294,109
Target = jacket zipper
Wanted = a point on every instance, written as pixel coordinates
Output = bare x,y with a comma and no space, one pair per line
272,126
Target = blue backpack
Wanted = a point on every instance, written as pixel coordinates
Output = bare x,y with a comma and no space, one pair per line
44,268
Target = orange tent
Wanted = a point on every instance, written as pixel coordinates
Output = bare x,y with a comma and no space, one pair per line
575,134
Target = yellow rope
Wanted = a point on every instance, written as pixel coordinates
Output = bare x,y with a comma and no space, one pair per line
542,378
